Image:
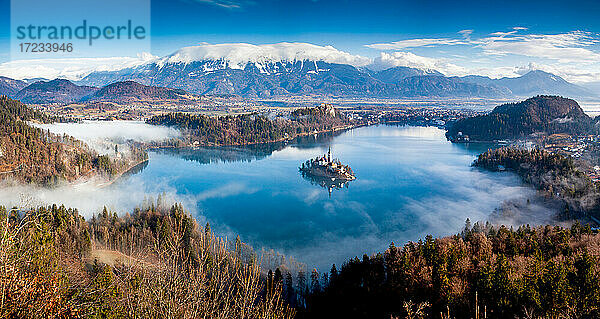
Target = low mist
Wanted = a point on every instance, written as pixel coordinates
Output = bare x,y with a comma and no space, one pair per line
85,195
103,135
88,194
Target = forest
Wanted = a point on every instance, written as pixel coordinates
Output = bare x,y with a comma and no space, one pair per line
554,175
157,262
540,114
244,129
153,263
32,155
483,272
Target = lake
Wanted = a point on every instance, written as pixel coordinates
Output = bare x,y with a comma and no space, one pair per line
410,182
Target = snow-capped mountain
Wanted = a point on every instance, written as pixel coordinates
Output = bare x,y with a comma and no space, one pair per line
256,70
239,55
278,69
302,69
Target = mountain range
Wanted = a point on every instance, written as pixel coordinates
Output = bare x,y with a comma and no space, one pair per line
266,72
535,82
266,75
61,91
277,78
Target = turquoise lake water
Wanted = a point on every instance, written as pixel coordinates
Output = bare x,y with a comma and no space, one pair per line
410,182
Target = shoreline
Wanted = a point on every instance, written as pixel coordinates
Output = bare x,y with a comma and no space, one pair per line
119,175
284,139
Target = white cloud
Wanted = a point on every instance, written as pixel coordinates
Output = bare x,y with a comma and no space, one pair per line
226,4
409,59
238,54
496,72
563,47
414,43
572,55
466,34
568,73
68,68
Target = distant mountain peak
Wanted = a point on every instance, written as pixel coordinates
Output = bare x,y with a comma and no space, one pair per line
238,55
132,91
398,73
54,91
305,69
10,87
534,82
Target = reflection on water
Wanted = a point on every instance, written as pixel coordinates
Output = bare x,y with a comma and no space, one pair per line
229,154
412,182
136,169
328,183
246,153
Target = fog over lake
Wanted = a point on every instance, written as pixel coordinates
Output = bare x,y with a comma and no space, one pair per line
410,182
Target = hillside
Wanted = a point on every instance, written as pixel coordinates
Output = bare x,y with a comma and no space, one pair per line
140,265
244,129
483,272
10,87
153,263
55,91
553,175
545,114
132,92
32,155
64,92
441,86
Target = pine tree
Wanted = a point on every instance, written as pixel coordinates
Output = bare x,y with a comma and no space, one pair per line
333,273
289,289
278,278
315,286
207,230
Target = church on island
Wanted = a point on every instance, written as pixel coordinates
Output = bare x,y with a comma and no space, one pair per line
327,167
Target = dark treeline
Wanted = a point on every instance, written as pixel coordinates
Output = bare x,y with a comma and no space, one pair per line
484,272
30,154
251,128
154,263
554,175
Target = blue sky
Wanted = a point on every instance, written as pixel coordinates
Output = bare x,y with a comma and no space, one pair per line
496,38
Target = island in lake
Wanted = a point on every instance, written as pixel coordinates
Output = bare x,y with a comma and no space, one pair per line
326,167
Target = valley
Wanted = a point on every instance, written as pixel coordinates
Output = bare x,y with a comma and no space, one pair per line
416,160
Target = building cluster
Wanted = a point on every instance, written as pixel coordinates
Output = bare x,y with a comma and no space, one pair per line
325,166
425,116
586,147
